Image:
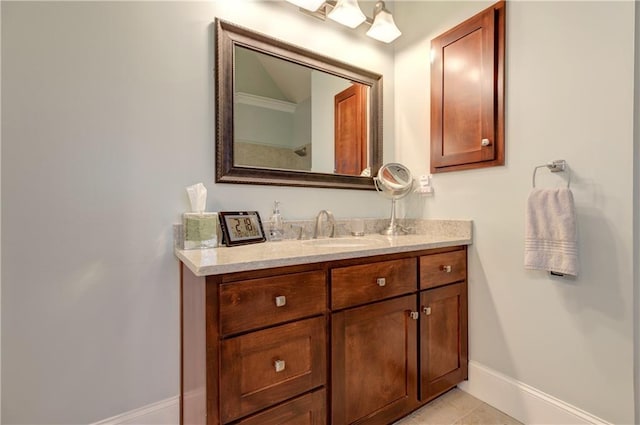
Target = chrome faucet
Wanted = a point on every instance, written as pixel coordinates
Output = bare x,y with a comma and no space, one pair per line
318,229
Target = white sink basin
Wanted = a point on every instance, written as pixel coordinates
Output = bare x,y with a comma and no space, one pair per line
354,242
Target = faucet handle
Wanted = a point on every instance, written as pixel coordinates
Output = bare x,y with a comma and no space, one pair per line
331,220
300,230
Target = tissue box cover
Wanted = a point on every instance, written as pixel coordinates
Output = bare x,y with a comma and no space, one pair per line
200,230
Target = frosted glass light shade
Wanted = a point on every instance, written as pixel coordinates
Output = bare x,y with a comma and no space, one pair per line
384,28
347,12
311,5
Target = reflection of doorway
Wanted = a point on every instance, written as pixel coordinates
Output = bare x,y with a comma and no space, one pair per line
351,130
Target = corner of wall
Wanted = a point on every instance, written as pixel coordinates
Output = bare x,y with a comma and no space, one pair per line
0,221
636,214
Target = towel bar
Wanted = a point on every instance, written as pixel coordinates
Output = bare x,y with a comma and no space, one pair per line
555,167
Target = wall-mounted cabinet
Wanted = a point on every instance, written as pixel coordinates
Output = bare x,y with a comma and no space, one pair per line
467,93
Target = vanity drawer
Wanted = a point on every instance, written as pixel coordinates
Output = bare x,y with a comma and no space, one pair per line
354,285
258,303
440,269
310,409
262,368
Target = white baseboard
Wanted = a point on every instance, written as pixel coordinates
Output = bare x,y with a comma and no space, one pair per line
518,400
165,412
521,401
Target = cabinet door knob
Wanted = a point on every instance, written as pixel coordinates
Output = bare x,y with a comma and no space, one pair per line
279,365
414,315
427,311
446,269
381,281
281,300
485,142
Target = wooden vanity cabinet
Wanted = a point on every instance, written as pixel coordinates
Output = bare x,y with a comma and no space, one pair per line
259,347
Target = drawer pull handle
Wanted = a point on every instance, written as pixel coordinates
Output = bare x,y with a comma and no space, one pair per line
381,281
279,365
414,315
281,300
446,269
427,311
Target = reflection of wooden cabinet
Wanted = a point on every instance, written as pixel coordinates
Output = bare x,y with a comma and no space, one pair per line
255,344
350,122
467,93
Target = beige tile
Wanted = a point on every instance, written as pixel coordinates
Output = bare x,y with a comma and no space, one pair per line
436,412
461,401
486,415
457,408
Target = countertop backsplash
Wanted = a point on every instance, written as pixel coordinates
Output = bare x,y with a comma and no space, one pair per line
304,229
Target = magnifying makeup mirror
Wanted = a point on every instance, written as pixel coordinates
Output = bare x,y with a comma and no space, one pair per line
394,181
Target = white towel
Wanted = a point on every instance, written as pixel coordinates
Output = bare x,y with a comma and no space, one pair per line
550,235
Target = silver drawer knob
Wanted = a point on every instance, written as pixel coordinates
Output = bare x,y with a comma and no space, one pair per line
427,311
279,365
281,300
485,142
446,269
414,315
381,281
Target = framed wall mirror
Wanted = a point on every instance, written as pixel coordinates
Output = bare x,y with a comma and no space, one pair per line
291,117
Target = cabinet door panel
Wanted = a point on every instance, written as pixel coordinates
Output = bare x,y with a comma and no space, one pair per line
440,269
309,409
251,304
265,367
467,78
374,362
443,343
354,285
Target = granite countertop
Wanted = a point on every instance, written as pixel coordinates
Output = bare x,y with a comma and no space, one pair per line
214,261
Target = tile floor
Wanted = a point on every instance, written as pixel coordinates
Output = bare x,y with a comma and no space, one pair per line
457,408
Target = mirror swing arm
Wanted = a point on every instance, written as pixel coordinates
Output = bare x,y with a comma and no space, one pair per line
228,36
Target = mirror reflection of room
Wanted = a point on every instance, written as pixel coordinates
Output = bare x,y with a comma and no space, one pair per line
292,117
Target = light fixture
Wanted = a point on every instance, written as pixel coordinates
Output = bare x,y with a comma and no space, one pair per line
348,13
383,28
310,5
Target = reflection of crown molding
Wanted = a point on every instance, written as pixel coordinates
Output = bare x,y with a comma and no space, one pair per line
265,102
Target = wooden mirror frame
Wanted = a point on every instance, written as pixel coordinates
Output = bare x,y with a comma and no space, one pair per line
228,36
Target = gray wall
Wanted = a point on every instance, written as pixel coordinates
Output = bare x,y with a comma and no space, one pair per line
636,223
107,115
569,95
324,88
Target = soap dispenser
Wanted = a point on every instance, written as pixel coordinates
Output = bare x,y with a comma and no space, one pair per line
276,226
